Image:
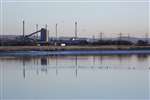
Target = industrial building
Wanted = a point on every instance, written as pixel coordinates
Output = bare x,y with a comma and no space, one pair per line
41,37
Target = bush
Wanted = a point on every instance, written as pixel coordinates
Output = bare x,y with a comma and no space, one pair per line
141,43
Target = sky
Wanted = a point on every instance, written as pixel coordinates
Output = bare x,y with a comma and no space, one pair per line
110,17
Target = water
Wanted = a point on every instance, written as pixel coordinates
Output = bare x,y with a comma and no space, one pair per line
102,77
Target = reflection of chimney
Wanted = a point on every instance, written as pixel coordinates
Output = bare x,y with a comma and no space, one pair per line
101,59
44,61
44,64
24,70
76,64
56,65
75,29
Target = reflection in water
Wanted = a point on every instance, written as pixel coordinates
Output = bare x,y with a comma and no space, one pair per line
101,59
96,76
24,73
142,58
98,63
56,65
44,61
76,66
24,59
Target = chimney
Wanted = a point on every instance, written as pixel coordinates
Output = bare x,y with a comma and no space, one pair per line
56,30
23,31
36,27
75,29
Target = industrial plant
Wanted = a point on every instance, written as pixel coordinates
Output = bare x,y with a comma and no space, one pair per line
41,38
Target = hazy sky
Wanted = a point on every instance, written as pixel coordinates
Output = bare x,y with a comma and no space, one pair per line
92,17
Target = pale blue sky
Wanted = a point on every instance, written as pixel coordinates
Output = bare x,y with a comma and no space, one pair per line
92,17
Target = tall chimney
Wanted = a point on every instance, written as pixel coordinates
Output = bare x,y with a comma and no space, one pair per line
36,30
56,30
46,26
101,36
146,37
23,28
46,32
75,29
120,36
36,27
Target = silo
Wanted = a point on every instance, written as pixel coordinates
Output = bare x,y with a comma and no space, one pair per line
44,35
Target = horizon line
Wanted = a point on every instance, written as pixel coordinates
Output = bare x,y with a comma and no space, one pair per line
78,1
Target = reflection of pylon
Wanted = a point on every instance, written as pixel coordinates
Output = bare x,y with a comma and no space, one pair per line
24,70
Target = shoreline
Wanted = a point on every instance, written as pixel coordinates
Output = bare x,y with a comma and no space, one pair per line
73,53
72,50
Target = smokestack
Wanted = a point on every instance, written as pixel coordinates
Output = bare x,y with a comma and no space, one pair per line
36,30
128,37
47,33
101,36
146,37
75,29
36,27
23,28
46,26
120,36
56,30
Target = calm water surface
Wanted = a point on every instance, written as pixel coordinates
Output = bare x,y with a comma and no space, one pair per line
106,77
